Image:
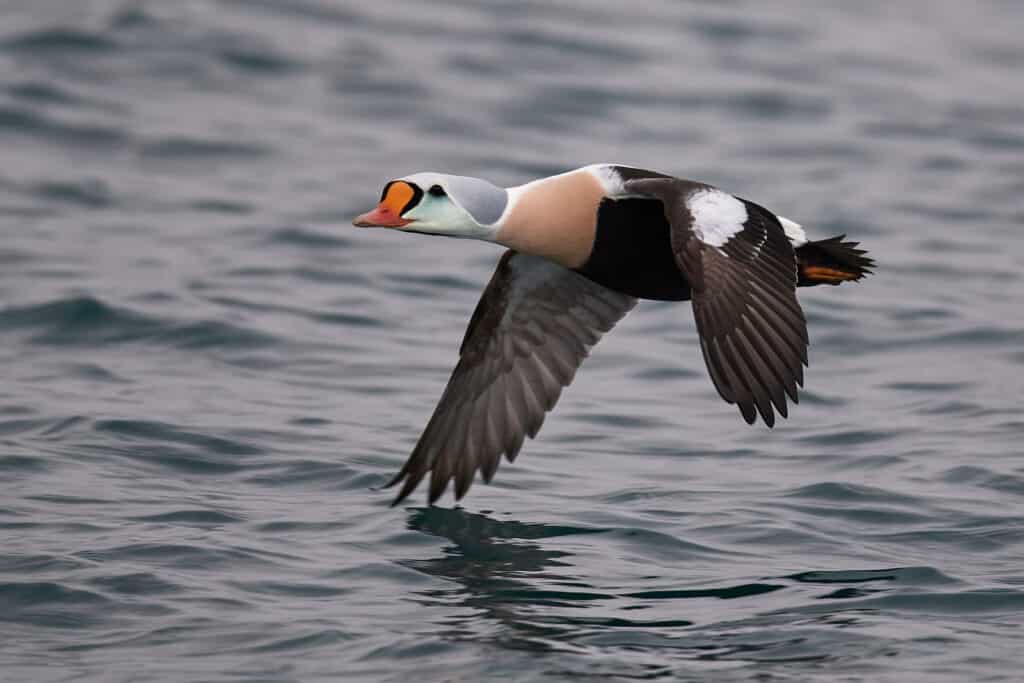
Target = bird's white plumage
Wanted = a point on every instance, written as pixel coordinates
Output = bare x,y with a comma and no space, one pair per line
794,232
717,216
610,180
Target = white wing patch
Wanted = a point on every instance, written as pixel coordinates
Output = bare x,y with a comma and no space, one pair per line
717,216
794,232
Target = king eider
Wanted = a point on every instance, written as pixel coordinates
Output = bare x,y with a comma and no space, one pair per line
583,246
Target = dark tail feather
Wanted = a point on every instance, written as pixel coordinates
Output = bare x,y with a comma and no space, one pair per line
831,261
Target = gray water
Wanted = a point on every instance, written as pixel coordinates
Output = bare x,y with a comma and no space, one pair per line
207,372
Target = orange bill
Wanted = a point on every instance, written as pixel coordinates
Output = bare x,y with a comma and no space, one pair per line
398,197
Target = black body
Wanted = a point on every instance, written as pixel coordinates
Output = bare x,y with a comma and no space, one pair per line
633,251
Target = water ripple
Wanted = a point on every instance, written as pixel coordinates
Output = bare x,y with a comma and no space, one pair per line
60,41
90,321
22,121
207,373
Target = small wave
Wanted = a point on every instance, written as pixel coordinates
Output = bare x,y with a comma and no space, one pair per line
662,546
330,318
321,638
619,421
51,429
304,473
986,478
43,92
737,29
94,372
191,517
88,194
51,604
778,105
537,42
137,583
262,60
24,565
162,432
435,282
853,437
13,464
727,593
847,493
304,237
89,321
60,41
224,206
24,121
214,334
908,575
307,10
202,149
962,603
928,387
189,556
295,590
16,257
1002,141
76,320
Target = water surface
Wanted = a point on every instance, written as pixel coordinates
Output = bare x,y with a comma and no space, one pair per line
207,372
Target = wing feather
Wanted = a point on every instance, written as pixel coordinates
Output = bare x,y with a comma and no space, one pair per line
533,326
742,272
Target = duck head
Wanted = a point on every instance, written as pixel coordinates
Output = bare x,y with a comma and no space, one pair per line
439,204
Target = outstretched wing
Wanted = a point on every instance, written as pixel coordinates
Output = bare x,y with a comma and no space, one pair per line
743,274
533,326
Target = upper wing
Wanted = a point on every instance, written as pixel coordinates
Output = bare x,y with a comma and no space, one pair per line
743,274
533,326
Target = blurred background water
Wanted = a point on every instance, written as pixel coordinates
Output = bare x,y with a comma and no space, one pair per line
205,371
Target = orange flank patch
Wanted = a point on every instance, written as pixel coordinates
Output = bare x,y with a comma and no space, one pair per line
825,274
398,196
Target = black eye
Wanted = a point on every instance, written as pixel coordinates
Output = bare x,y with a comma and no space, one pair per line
436,191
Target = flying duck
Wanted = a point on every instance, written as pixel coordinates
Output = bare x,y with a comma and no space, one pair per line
583,246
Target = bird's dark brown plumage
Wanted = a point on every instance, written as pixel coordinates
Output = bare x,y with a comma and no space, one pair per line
533,326
655,237
752,330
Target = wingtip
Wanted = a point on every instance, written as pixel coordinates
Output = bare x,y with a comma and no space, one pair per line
436,491
399,497
411,482
461,490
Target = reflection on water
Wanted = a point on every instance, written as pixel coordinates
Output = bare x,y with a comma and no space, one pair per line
499,574
522,595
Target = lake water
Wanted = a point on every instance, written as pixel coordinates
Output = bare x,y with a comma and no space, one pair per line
206,371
